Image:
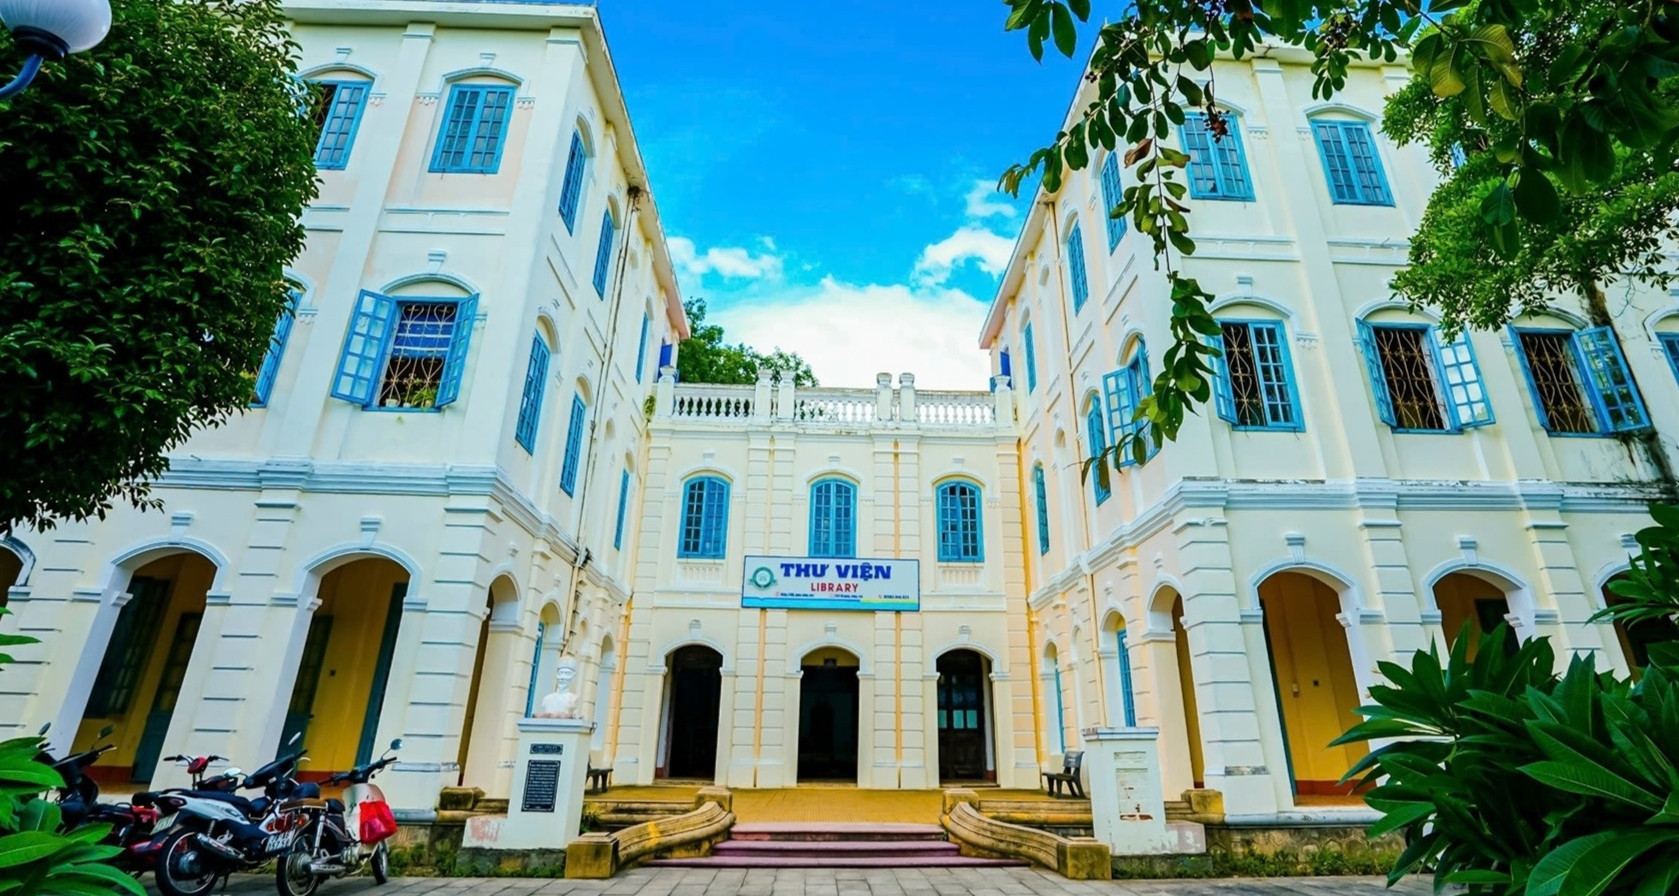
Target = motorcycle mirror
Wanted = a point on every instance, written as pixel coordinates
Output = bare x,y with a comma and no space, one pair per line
396,744
105,732
233,772
295,738
43,731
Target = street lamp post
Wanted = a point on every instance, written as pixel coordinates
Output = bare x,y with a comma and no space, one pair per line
49,30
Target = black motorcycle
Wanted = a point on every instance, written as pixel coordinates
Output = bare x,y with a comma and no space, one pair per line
219,833
132,823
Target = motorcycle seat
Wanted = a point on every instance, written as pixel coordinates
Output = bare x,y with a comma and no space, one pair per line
334,805
244,805
305,803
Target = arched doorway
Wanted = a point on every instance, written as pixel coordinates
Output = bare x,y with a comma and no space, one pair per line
144,666
351,640
1636,638
693,697
1312,675
828,700
1467,599
1121,693
488,722
964,717
11,569
1184,673
1055,703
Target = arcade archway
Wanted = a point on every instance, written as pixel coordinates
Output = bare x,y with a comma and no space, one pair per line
693,698
1312,676
828,701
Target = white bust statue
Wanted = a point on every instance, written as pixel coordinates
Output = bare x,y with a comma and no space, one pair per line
562,704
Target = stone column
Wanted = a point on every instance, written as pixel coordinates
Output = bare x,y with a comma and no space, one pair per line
883,396
906,398
664,394
761,410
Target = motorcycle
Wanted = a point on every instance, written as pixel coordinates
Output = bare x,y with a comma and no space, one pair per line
141,851
218,833
336,842
132,823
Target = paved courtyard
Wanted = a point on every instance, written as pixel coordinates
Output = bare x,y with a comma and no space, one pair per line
844,882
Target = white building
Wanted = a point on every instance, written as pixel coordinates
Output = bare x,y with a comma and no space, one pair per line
432,478
1360,488
468,456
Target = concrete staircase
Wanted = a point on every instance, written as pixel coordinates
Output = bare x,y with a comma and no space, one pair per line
835,845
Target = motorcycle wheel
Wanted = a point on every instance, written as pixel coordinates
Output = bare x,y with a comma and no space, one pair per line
380,863
180,870
291,871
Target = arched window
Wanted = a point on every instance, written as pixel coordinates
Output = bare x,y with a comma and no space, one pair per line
536,668
1351,163
833,519
1122,660
1112,194
1029,347
576,163
270,369
474,129
530,400
959,533
603,252
1042,494
1057,709
1218,169
1253,386
1420,384
1097,432
406,352
1076,273
1126,388
337,117
705,519
1579,381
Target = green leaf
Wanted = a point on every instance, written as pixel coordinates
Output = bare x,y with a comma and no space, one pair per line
1444,77
1499,206
1589,780
1081,8
1547,877
28,846
1536,197
1066,33
1598,868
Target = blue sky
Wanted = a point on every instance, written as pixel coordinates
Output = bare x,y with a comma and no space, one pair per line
825,170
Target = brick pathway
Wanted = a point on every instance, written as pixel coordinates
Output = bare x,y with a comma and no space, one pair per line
842,882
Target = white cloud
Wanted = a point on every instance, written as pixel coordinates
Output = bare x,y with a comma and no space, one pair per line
729,262
984,201
970,242
848,332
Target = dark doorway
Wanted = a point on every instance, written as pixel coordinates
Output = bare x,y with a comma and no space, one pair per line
695,692
828,723
962,718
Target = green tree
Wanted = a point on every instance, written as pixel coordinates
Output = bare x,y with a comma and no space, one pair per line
154,188
707,357
1564,109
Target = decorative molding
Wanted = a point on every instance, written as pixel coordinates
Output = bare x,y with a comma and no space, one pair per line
1468,546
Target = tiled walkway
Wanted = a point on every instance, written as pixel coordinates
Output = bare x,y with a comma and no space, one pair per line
842,882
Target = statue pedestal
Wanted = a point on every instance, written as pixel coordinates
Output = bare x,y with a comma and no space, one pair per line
546,806
1122,766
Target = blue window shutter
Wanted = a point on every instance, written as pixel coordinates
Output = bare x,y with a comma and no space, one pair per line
1112,194
270,369
1466,395
530,401
1620,407
1003,364
1060,712
536,669
1367,164
1351,163
1098,435
573,446
343,118
474,129
1670,344
1377,374
664,354
833,513
1029,347
705,515
1075,267
1141,387
1042,493
571,194
1198,144
641,348
1276,377
365,344
603,253
1118,406
1127,691
623,502
460,342
959,525
1337,162
1234,182
1224,398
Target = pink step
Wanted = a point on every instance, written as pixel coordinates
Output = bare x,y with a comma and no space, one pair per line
834,848
838,862
831,831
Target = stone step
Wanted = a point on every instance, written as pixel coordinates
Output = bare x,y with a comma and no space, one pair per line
490,807
835,848
837,862
851,831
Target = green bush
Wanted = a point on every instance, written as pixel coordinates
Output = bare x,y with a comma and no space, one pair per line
1514,780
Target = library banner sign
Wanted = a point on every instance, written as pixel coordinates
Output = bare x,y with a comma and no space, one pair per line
828,583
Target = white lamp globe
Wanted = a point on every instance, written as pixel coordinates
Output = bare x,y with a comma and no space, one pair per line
57,27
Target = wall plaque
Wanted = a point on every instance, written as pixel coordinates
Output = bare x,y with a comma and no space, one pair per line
542,785
547,749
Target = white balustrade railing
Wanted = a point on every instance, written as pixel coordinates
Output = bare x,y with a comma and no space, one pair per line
955,408
835,406
712,402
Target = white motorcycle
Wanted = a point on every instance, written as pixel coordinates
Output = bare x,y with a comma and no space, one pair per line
334,841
